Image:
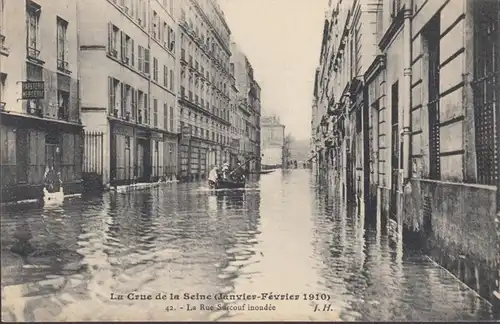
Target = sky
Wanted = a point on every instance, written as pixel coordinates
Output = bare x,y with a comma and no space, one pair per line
282,40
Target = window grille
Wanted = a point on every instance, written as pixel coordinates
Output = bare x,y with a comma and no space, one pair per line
433,39
486,91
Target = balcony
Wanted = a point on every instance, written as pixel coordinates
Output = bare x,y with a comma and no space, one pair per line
34,54
3,49
183,56
63,66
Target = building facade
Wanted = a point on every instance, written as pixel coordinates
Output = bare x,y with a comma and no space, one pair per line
419,138
272,142
128,82
40,127
249,107
204,92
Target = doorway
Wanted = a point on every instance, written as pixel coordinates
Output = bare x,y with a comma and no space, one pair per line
395,150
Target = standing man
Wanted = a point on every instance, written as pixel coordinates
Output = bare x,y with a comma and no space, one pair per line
213,177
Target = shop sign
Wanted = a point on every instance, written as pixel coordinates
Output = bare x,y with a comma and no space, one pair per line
33,90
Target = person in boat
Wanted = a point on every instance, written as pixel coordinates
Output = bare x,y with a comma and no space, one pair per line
213,177
52,180
239,174
225,170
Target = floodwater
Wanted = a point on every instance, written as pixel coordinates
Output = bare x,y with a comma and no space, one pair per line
281,250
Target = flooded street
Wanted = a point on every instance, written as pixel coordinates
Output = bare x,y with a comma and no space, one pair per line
283,236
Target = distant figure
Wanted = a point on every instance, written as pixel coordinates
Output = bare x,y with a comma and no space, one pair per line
52,180
239,172
213,176
225,169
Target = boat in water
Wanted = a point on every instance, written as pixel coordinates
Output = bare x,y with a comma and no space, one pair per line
227,184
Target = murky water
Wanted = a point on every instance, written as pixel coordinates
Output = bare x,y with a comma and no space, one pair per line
283,236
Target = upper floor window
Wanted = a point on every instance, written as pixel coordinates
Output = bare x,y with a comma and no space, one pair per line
62,44
2,19
33,29
113,40
396,6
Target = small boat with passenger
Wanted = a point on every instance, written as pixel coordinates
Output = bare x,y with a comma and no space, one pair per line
226,179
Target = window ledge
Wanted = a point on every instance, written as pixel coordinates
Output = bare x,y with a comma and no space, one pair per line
4,50
64,71
35,60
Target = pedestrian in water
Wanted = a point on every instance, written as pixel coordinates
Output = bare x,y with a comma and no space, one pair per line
225,169
213,176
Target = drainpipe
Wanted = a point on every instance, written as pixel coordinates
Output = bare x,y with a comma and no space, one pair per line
406,132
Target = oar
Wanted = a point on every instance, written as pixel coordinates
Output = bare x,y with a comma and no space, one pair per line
242,165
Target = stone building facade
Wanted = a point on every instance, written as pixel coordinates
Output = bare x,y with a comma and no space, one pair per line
204,93
128,87
272,142
248,104
40,127
421,137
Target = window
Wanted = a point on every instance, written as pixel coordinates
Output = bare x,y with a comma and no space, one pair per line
155,69
33,30
146,109
113,34
165,76
62,105
112,103
2,19
62,45
395,8
140,103
156,26
123,101
134,104
431,37
146,61
171,39
155,112
140,59
486,92
33,73
171,119
127,49
166,34
165,116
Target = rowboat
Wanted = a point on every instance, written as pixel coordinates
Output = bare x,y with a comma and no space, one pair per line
230,182
50,198
226,184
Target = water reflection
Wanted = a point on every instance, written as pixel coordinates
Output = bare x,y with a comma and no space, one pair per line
285,234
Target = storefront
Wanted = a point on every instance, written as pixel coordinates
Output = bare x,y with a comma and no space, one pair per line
30,146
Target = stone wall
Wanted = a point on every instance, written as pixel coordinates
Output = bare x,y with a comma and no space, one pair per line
459,227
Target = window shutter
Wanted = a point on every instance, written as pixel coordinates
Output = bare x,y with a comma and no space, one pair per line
110,37
110,95
146,61
66,45
140,61
123,95
132,48
171,119
124,46
165,116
